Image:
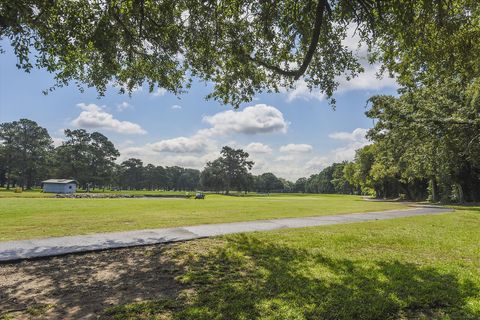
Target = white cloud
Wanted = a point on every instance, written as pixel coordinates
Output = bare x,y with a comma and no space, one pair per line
94,117
256,119
289,161
358,134
296,148
124,106
367,80
181,145
167,159
137,152
204,145
356,140
352,42
160,92
346,153
289,157
302,91
318,163
176,107
257,147
57,141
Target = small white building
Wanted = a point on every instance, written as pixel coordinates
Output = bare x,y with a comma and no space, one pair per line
59,186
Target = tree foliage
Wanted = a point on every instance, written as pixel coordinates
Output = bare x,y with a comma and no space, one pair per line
230,171
133,175
24,152
427,137
243,47
330,180
87,157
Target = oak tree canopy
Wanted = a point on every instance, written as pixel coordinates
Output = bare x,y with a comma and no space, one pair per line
243,47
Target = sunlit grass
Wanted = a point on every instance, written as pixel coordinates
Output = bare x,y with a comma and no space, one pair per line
425,267
25,218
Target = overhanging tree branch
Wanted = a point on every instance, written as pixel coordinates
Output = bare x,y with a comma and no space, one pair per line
322,5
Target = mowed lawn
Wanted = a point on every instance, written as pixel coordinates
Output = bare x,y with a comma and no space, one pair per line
26,218
424,267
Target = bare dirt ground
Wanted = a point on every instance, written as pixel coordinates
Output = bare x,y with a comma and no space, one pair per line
82,286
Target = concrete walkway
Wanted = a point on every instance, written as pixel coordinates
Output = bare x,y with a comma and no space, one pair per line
37,248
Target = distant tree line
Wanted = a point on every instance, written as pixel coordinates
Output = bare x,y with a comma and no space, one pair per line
231,172
330,180
425,146
28,156
413,155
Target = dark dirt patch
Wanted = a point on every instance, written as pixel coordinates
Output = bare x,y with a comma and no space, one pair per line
82,286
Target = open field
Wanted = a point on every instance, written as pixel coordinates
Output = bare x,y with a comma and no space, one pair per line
412,268
25,218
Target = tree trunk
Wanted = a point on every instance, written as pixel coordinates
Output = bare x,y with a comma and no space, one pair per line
8,180
434,186
461,197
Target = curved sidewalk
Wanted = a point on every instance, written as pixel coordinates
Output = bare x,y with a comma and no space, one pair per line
38,248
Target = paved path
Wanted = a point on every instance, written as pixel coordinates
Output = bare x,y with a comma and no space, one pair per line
36,248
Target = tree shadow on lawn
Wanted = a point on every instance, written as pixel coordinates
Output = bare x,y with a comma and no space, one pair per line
250,279
237,278
80,286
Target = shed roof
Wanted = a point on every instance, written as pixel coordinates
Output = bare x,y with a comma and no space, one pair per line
61,181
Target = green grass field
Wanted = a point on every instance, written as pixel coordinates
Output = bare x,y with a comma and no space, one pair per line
25,218
424,267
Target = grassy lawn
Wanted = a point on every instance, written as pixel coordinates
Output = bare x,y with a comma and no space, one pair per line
25,218
424,267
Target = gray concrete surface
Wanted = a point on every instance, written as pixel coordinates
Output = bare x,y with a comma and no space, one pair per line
37,248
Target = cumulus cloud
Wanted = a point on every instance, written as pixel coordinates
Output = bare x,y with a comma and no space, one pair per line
356,140
167,159
358,134
257,147
176,107
124,106
143,152
303,92
318,163
260,118
57,141
290,157
296,148
181,145
160,92
292,163
95,117
367,80
194,151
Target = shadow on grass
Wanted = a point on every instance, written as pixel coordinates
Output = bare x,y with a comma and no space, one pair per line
249,279
240,278
82,286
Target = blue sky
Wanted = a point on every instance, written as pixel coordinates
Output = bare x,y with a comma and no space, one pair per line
291,134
